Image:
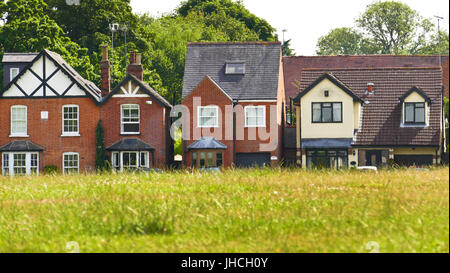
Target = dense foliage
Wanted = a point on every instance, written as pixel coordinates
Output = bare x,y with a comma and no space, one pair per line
387,27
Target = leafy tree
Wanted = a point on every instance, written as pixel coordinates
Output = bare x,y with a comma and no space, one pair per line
388,27
28,29
232,9
286,48
344,41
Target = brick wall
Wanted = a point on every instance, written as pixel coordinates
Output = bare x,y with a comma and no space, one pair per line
47,133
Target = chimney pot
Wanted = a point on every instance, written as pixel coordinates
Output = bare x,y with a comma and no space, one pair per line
138,58
104,52
370,87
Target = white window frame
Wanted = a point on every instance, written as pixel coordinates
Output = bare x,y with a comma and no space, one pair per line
119,165
78,162
20,134
246,108
70,134
122,123
28,167
11,73
199,110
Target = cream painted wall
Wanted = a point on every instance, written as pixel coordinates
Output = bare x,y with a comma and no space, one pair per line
327,130
415,151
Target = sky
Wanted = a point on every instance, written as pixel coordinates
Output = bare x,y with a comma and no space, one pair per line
306,21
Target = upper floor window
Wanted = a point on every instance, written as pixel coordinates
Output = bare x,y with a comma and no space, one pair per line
18,121
130,119
415,113
255,116
235,68
208,116
13,72
326,112
70,120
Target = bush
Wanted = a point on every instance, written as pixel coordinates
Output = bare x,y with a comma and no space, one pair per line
50,169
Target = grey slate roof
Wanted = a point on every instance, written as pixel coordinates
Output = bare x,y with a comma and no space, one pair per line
19,57
262,66
321,143
130,144
207,143
21,146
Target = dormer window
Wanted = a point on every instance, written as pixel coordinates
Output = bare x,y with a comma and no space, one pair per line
414,113
235,68
13,72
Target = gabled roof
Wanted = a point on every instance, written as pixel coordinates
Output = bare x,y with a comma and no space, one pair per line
335,81
293,66
90,88
144,86
418,91
207,143
18,57
262,65
21,146
382,112
130,144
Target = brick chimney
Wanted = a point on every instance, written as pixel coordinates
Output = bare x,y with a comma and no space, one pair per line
105,72
135,67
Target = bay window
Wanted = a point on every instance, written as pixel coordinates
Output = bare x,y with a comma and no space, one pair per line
206,159
20,163
130,160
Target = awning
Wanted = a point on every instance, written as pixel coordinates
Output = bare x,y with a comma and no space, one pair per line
130,144
21,146
319,143
207,143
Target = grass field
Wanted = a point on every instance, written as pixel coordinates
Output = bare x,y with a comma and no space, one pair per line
262,210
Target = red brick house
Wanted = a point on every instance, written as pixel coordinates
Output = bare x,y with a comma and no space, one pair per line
233,94
136,120
48,115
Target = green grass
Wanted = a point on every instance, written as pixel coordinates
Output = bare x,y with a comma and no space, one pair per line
262,210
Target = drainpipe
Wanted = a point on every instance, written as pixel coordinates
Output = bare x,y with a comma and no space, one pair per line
235,102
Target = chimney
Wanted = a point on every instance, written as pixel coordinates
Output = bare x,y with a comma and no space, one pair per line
370,87
135,67
105,72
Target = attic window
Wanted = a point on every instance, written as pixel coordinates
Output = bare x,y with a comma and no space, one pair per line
13,73
235,68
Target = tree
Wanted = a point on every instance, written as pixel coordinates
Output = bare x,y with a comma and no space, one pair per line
232,9
344,41
27,28
286,48
384,28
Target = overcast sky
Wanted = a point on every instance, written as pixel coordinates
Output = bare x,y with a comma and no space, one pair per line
305,21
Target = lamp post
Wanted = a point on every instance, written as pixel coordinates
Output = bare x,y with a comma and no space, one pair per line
439,38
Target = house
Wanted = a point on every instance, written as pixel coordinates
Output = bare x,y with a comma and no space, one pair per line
369,117
294,66
233,99
48,115
136,120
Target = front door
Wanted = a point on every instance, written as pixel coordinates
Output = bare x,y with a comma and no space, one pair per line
373,158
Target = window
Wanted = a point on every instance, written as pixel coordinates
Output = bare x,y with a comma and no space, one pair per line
19,121
335,159
255,116
130,119
235,68
71,163
130,160
13,72
70,120
415,113
207,159
326,112
208,116
20,163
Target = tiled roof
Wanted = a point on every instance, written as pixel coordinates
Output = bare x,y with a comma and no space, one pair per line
207,143
21,146
130,144
293,66
18,57
262,63
382,114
